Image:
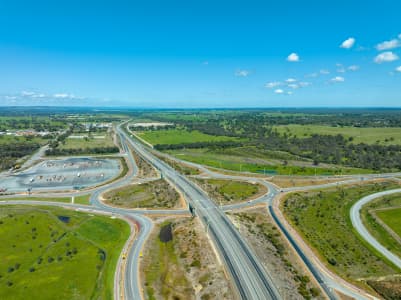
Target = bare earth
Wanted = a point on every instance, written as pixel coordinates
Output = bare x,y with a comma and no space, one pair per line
193,270
275,253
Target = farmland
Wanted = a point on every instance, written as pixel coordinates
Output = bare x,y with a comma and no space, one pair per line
180,136
368,135
52,253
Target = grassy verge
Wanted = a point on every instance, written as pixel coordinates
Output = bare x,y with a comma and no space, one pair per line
53,253
243,164
154,194
284,181
375,213
322,219
392,219
84,199
230,191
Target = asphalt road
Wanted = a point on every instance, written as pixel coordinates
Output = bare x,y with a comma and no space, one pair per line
250,278
328,281
355,215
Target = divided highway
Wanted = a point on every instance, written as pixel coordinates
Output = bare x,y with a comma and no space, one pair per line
251,279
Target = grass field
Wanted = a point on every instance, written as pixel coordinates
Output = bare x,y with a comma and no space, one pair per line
385,136
372,219
180,136
53,253
256,165
6,139
96,141
230,191
27,122
154,194
322,219
392,218
84,199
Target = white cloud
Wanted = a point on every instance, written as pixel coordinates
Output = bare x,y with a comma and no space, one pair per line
62,96
242,73
279,91
304,84
387,45
324,72
353,68
27,94
387,56
290,80
273,84
398,69
38,96
312,75
338,79
341,70
289,93
293,57
348,43
293,85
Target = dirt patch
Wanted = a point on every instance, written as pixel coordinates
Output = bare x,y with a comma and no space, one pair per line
389,288
183,265
288,272
145,170
154,194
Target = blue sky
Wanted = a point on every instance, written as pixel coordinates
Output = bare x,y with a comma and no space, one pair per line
200,53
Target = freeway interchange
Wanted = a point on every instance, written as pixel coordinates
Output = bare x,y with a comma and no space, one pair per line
250,278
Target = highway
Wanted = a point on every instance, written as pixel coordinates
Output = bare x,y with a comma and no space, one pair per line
355,214
325,278
250,278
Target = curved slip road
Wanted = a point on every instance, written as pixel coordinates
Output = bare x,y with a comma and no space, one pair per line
328,281
250,278
356,220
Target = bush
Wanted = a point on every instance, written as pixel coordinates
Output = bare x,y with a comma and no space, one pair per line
332,261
